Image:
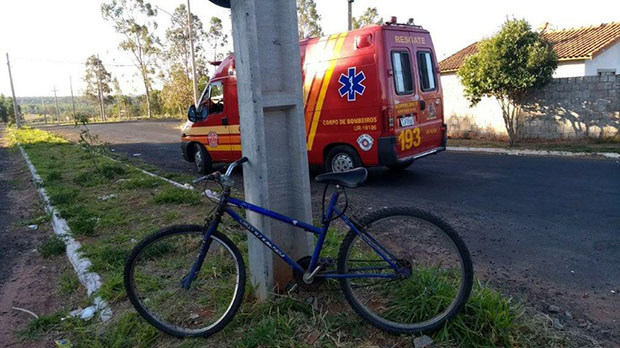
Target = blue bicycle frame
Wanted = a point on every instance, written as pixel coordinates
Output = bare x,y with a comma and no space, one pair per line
320,231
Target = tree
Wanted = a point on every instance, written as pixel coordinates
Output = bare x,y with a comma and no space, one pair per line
506,67
4,113
308,19
98,81
177,93
134,19
216,36
370,16
178,55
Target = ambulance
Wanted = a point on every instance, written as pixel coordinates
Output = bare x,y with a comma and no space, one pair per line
372,97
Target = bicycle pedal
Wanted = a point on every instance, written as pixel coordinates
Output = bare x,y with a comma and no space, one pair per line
291,287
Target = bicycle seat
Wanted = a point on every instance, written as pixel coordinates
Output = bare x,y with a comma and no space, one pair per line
351,178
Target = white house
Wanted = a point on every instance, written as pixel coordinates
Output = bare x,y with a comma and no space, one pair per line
587,51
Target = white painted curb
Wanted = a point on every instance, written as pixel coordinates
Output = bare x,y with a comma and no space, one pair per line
513,152
90,280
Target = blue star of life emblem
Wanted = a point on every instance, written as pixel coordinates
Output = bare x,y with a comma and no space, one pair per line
351,84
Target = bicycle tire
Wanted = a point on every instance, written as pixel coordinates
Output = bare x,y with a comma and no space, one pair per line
149,315
396,327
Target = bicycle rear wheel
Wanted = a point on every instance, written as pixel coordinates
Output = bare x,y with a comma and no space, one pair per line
158,264
436,277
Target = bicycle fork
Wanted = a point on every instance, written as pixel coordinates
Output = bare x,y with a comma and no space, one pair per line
186,281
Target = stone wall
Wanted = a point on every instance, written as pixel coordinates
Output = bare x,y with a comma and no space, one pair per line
567,108
574,107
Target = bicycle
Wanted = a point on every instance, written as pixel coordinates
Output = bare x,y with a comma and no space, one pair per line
189,280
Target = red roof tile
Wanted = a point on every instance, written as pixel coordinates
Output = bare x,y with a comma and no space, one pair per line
568,44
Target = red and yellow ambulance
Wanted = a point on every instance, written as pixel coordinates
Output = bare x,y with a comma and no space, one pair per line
372,97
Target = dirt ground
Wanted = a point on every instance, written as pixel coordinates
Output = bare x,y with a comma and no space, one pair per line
27,279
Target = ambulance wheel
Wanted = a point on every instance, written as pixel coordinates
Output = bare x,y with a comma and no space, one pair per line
399,167
342,158
202,160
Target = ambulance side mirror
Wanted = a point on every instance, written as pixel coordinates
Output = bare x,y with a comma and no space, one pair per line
192,114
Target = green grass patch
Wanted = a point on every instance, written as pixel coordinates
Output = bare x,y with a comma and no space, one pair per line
174,195
42,324
109,229
52,246
69,282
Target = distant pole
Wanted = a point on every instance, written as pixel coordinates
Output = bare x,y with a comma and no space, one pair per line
43,110
99,68
57,108
191,45
18,121
72,101
350,14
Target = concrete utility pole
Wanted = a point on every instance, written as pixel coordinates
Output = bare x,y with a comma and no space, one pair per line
18,120
350,2
72,101
268,66
191,45
57,108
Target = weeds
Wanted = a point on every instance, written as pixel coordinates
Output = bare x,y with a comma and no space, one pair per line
173,195
52,246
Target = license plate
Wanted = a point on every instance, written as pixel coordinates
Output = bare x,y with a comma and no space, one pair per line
406,121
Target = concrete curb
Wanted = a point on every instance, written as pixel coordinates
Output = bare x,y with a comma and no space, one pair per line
511,152
90,280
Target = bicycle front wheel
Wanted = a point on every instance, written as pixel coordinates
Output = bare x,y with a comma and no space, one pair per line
157,266
434,276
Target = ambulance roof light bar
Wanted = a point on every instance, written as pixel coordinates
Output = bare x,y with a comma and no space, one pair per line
410,23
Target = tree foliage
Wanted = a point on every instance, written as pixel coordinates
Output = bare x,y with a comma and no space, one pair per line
134,19
7,112
370,16
97,79
506,67
308,19
177,92
216,36
177,39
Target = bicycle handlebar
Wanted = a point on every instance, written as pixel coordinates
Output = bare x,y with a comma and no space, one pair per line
217,175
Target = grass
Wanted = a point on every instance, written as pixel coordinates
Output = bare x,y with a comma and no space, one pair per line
109,229
52,246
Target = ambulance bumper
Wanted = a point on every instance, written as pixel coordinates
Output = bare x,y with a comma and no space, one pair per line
389,157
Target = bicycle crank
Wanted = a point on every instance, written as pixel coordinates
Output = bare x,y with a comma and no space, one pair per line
307,281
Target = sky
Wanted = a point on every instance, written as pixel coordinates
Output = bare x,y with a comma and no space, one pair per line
49,41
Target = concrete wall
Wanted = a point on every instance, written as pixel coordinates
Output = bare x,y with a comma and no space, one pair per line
574,107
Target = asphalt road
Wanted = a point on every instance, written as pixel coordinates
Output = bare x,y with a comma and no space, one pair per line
546,228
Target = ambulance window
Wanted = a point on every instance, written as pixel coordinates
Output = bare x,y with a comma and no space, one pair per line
426,71
403,79
213,98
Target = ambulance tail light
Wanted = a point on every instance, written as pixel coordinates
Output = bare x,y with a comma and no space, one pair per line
388,115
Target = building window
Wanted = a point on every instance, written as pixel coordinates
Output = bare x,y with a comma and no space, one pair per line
426,71
403,79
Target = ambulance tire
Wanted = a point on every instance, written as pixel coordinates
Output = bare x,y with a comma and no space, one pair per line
202,160
342,158
399,167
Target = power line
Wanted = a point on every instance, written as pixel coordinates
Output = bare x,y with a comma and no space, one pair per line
67,62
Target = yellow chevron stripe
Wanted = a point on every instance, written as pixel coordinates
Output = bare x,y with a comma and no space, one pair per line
326,81
234,129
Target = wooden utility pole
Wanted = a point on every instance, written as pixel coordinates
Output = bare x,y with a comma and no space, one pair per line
57,108
72,101
18,120
43,110
191,45
99,69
